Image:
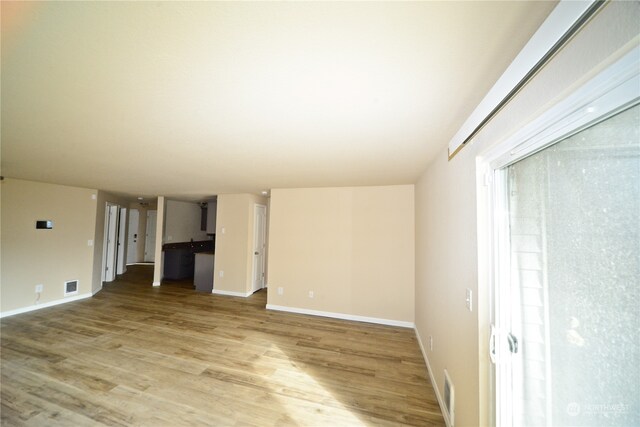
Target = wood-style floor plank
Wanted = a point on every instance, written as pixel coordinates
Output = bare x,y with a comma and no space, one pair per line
170,356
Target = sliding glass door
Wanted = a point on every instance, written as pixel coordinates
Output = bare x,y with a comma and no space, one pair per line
568,280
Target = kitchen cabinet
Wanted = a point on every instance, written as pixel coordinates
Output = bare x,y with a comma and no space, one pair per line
211,217
179,258
178,263
203,272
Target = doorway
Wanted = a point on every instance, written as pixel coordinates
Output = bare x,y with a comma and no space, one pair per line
132,238
110,250
150,237
259,246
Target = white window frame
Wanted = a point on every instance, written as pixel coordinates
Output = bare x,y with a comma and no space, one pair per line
614,89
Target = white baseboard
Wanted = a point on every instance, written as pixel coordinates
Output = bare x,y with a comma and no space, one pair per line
44,305
156,283
342,316
231,293
433,380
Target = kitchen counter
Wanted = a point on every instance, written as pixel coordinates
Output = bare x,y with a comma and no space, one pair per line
198,246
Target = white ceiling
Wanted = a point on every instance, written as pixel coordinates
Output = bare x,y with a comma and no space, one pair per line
191,99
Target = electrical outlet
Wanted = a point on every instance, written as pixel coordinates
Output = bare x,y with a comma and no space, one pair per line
280,290
469,299
90,242
221,273
310,294
39,289
430,343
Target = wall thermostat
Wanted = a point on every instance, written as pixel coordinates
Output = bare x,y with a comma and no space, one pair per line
45,225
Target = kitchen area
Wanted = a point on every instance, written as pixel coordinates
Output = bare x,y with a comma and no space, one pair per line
189,243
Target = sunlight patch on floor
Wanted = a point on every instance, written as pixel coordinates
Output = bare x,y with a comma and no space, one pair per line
306,401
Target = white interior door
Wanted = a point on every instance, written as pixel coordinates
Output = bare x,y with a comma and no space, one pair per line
132,237
111,239
122,240
259,247
150,237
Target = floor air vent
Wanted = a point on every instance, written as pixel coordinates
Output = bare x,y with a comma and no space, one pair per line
70,287
448,399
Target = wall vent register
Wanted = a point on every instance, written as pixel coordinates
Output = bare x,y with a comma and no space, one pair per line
70,287
448,399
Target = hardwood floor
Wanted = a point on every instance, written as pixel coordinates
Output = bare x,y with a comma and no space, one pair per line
169,356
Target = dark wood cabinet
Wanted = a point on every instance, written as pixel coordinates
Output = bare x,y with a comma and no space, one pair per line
179,258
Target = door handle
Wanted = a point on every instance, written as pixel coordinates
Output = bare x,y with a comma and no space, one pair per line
256,253
513,342
492,345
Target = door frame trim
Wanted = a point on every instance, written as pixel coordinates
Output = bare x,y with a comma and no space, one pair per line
105,242
123,228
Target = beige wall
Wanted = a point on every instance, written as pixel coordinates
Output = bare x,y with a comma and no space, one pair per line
98,249
47,257
182,222
446,222
353,247
234,246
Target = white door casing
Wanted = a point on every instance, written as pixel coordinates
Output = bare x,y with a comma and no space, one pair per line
259,246
122,241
